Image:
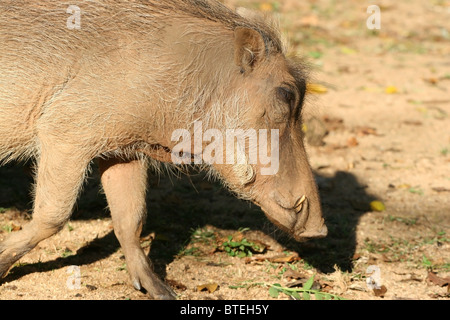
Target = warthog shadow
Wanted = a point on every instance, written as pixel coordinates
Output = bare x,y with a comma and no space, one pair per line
179,206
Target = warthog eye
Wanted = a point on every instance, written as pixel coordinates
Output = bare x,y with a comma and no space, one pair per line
287,96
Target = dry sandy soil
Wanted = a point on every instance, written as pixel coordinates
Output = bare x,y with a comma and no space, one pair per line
385,105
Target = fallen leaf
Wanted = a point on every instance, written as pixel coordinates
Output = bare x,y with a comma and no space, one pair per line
297,283
176,284
313,284
412,277
316,88
441,282
347,50
377,206
283,258
345,69
276,259
432,81
267,7
440,189
15,228
357,287
356,256
386,7
347,24
9,287
352,142
294,274
365,131
436,101
326,286
437,295
391,90
210,287
380,292
412,123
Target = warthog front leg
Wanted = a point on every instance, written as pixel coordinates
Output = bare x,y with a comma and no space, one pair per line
125,186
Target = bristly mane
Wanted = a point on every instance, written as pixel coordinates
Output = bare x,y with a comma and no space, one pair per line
215,11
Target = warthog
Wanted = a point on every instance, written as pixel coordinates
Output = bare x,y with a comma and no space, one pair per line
112,80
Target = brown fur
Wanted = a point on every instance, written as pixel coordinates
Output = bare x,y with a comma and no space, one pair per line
118,87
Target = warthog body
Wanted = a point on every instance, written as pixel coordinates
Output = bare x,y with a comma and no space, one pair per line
117,86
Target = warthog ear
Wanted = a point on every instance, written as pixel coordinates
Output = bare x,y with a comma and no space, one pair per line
249,48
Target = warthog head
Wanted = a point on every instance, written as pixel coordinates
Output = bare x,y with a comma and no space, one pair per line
283,187
250,90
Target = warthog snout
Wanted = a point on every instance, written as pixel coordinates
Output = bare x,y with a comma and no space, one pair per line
302,218
310,223
307,225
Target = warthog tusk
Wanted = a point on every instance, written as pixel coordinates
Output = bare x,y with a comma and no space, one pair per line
299,204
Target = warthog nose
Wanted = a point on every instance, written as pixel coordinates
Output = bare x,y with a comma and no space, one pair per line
323,231
320,233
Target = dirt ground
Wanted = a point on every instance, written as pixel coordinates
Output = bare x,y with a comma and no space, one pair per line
383,97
